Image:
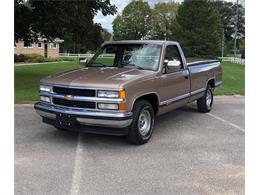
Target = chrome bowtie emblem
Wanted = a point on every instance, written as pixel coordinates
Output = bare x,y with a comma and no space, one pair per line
68,97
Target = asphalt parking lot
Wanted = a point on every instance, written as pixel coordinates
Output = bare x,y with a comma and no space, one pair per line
189,153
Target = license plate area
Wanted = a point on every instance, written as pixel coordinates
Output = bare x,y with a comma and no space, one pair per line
65,120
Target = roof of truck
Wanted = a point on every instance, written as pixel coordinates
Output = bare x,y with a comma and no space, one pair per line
159,42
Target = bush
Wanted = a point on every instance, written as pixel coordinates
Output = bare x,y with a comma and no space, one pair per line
15,58
58,59
34,57
19,58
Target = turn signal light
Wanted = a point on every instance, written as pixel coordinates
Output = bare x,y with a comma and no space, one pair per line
122,94
122,106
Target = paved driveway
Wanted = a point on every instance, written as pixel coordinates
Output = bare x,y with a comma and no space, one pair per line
189,153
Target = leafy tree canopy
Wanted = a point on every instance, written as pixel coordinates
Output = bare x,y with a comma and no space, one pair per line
197,28
162,20
106,36
230,13
132,23
227,13
198,25
22,20
51,18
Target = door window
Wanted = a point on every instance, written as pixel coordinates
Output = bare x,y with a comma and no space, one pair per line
172,59
106,57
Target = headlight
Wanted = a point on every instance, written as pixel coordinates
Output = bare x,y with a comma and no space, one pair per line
111,94
108,94
45,88
45,99
104,106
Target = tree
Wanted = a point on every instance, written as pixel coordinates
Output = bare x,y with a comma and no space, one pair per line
22,21
197,28
132,24
118,31
227,12
106,36
162,20
51,18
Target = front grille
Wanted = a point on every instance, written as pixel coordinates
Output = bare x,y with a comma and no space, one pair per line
74,91
72,103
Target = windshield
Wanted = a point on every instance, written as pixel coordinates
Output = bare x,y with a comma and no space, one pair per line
134,56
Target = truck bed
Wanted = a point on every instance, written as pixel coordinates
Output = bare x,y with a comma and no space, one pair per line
197,61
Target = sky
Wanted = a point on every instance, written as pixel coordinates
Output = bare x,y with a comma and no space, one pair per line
106,21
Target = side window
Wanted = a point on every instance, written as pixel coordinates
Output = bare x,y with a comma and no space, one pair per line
106,57
172,59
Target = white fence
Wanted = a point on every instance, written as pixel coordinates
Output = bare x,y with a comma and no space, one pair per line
85,55
75,55
234,60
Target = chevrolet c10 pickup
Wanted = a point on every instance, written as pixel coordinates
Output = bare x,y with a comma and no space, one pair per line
124,86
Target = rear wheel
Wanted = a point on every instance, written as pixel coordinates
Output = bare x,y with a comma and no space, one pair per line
206,101
141,128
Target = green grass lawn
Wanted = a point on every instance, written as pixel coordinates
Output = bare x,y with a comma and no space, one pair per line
233,77
27,79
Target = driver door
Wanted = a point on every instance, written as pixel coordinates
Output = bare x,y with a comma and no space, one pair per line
174,82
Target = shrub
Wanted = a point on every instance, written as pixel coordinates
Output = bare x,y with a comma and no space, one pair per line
15,58
34,57
58,59
19,58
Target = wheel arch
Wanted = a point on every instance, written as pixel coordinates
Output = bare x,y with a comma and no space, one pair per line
152,97
211,82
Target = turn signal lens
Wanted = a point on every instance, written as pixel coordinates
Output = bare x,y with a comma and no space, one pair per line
122,94
122,106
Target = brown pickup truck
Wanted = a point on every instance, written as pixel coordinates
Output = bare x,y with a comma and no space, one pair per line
124,86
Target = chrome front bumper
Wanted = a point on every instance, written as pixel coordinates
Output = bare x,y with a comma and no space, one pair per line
113,119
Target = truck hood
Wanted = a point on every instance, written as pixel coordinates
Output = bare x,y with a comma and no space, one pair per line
111,77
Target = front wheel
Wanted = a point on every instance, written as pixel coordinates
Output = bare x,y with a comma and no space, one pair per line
141,128
206,101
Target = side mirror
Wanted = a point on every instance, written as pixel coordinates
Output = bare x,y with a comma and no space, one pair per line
173,63
83,61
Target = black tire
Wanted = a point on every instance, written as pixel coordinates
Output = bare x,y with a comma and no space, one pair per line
203,105
61,129
135,134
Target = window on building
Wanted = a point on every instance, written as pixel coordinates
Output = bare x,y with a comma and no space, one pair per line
27,44
53,45
40,45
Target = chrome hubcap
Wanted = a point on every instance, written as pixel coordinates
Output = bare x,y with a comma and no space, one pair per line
208,99
144,122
